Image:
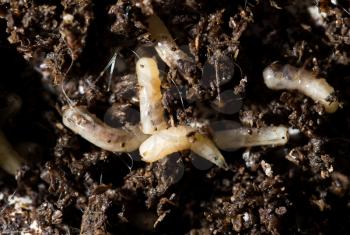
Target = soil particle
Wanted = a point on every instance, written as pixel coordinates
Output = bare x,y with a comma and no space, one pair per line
94,220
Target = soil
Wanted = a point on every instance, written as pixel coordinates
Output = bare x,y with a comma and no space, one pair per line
54,53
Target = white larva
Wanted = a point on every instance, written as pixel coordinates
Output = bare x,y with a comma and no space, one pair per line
164,143
151,109
171,54
157,29
205,148
235,138
168,50
125,139
10,161
287,77
180,138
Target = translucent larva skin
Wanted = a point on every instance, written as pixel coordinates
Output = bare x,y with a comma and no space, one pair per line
174,57
287,77
168,50
151,109
205,148
10,161
91,128
175,139
157,29
233,139
164,143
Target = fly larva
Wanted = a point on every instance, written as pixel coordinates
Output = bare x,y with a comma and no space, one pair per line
235,138
287,77
168,50
91,128
151,109
205,148
157,29
10,161
174,57
175,139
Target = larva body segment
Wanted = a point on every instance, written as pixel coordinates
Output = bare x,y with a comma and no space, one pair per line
151,109
287,77
91,128
157,29
175,139
233,139
205,148
169,51
164,143
10,161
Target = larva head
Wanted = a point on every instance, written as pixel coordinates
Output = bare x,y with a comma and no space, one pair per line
74,117
272,76
146,68
278,77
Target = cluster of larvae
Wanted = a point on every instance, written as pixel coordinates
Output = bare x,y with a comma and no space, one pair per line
153,136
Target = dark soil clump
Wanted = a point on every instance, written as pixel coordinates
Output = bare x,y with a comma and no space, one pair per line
58,53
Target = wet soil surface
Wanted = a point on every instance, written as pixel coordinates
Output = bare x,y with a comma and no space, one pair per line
54,53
